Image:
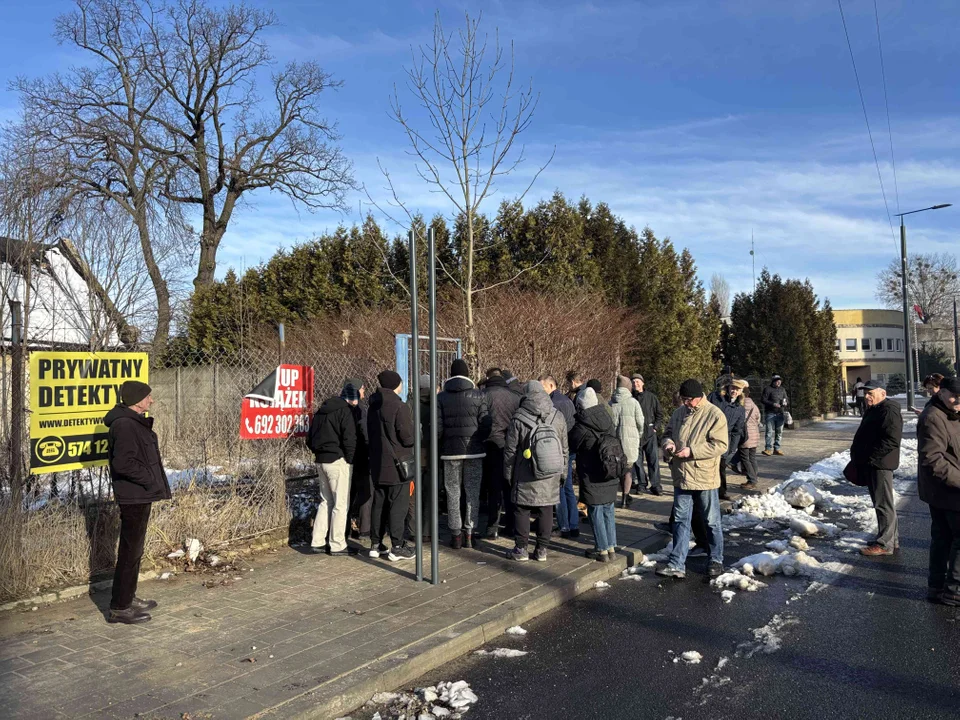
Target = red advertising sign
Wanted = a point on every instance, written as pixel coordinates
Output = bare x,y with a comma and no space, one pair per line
279,407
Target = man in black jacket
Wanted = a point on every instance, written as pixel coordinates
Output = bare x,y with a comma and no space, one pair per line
502,404
774,400
647,469
361,486
462,427
138,480
876,454
333,439
938,444
390,431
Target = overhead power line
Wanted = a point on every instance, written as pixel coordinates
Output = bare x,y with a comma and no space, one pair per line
866,119
886,102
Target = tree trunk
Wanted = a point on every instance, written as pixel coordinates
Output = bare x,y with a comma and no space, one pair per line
127,333
473,361
214,229
164,314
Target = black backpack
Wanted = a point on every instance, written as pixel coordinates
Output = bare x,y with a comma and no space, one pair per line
612,459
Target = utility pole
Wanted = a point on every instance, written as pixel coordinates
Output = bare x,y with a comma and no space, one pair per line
17,412
907,354
415,392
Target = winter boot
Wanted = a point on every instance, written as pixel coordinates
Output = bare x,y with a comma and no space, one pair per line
456,541
468,539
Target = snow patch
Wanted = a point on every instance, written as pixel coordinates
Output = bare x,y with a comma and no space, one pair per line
727,595
690,657
766,639
502,653
601,585
516,630
736,580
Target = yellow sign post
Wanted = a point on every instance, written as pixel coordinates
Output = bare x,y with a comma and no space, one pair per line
70,393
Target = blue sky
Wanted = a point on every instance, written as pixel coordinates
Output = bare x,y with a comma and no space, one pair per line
704,119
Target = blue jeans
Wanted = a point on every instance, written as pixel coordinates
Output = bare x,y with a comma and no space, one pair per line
774,430
567,515
604,526
709,503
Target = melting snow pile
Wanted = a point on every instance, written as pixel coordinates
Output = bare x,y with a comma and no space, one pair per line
502,653
601,585
787,563
766,639
445,700
516,630
736,580
727,595
690,657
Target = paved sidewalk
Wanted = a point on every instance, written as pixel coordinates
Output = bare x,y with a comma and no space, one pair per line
303,635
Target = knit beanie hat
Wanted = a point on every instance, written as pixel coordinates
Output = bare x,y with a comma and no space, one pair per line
624,382
587,399
350,392
459,367
691,389
389,379
951,384
594,385
133,391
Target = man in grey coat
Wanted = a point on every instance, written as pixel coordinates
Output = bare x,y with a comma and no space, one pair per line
533,496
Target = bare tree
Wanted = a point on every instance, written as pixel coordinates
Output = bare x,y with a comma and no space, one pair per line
933,280
465,131
220,141
720,292
90,125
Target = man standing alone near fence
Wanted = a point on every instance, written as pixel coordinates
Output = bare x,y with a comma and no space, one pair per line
391,434
774,401
138,481
333,439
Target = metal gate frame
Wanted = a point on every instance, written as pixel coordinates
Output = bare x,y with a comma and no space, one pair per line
402,347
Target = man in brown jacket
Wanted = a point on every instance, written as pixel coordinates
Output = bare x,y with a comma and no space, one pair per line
693,443
938,442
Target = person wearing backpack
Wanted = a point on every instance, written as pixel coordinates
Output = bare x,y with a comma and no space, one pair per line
600,465
631,428
535,457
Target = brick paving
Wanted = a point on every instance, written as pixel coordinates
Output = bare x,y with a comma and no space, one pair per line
324,629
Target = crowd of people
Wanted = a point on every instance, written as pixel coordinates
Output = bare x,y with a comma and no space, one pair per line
525,443
533,454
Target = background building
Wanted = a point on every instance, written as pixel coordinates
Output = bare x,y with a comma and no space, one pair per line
869,344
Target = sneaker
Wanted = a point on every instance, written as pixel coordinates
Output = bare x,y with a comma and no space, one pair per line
128,616
949,598
376,552
401,553
142,605
778,452
664,527
468,539
540,554
319,549
575,533
875,551
715,569
346,551
750,485
456,540
519,554
593,554
672,572
768,453
698,551
565,534
658,491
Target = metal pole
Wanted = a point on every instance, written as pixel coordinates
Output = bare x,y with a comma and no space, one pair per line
434,490
907,353
282,341
956,340
16,408
415,399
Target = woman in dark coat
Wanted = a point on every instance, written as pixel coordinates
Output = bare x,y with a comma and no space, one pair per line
597,491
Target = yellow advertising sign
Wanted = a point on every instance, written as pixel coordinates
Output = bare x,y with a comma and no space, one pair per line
70,393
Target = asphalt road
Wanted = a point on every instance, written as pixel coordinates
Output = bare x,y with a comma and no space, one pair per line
868,646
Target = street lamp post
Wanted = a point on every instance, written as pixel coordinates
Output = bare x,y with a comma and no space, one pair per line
903,288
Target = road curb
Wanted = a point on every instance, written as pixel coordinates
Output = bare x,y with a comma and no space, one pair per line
338,696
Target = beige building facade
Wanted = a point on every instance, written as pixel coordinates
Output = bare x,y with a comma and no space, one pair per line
869,344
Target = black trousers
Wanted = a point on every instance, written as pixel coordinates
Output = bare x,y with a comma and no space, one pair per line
723,475
944,550
361,500
390,504
411,523
648,464
748,461
701,534
498,495
521,521
133,532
